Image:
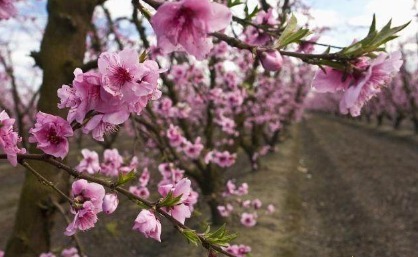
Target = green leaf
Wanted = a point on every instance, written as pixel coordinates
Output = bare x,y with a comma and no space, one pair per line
169,200
232,3
373,25
143,56
373,41
220,236
253,13
125,178
291,33
191,236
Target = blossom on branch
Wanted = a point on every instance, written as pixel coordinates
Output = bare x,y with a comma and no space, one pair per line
88,201
185,25
365,82
51,134
90,162
9,138
148,224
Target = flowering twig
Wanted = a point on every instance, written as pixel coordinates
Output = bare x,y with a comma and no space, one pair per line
111,185
45,181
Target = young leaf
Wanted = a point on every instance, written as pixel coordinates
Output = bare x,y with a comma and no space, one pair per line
125,178
169,200
191,236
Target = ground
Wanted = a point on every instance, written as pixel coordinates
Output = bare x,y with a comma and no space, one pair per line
341,188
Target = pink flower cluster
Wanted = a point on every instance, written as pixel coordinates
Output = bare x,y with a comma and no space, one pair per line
141,189
9,138
366,81
238,250
231,189
67,252
105,99
191,150
170,174
185,25
88,202
223,159
112,165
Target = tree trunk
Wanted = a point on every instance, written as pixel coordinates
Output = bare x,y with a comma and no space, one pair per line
211,191
398,121
415,121
62,50
380,120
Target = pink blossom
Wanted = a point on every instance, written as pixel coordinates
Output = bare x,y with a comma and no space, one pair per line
70,252
144,178
1,253
85,95
223,159
51,133
246,203
122,74
148,224
270,209
174,136
242,190
110,203
307,47
140,191
379,74
225,211
248,219
84,219
256,36
369,77
132,166
271,60
90,162
182,188
185,25
9,138
84,191
170,173
257,203
193,150
47,255
7,9
238,250
102,124
111,163
88,201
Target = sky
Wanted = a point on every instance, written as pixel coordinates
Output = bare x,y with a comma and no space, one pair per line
350,19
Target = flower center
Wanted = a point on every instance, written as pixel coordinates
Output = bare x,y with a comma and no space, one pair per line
121,76
53,138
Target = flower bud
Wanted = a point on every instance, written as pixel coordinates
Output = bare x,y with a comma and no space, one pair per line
110,203
271,60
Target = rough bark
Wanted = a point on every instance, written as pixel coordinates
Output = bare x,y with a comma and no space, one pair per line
62,49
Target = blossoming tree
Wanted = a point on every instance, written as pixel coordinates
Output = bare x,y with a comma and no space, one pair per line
192,103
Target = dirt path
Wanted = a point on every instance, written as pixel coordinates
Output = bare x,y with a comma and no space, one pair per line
358,193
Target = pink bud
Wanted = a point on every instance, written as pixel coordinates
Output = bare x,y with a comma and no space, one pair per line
110,203
271,60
